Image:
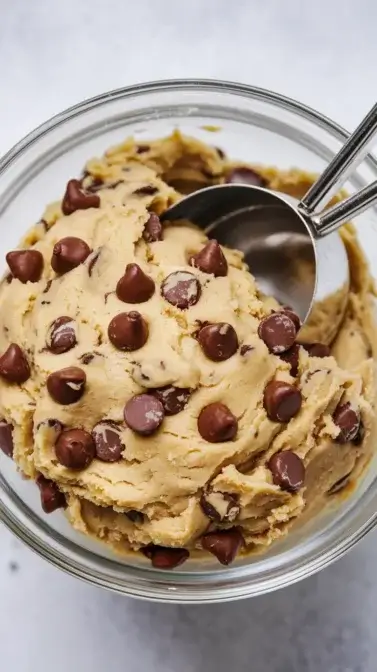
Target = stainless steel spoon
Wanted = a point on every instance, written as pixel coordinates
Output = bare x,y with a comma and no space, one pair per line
295,252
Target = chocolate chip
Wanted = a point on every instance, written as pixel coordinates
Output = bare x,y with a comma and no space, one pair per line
223,544
291,356
216,423
243,175
182,289
210,259
144,414
245,350
147,190
288,471
135,286
93,261
135,516
51,497
153,229
281,400
107,438
14,366
218,341
348,420
62,335
75,198
128,331
294,317
278,332
141,149
359,438
163,557
75,449
317,349
6,438
67,385
47,288
173,399
25,265
68,253
220,506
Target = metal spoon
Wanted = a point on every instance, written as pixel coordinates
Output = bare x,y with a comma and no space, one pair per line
295,253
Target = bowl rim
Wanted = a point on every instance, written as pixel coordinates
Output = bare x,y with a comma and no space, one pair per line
154,86
69,562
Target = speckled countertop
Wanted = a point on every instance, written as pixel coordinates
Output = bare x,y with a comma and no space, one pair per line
53,54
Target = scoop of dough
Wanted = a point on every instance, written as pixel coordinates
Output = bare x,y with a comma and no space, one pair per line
166,397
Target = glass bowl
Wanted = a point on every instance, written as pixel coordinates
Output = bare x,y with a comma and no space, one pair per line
252,125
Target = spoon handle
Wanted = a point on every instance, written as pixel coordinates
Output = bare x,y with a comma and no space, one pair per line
330,220
343,163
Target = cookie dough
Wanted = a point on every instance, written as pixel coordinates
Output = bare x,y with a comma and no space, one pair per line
151,390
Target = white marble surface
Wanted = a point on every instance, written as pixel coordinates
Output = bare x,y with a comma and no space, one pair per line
53,54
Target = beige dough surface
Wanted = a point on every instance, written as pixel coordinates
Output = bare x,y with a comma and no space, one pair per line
163,476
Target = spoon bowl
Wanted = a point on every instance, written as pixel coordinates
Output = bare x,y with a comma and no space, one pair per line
296,254
278,247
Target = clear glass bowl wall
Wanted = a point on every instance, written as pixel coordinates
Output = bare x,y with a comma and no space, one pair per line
255,125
